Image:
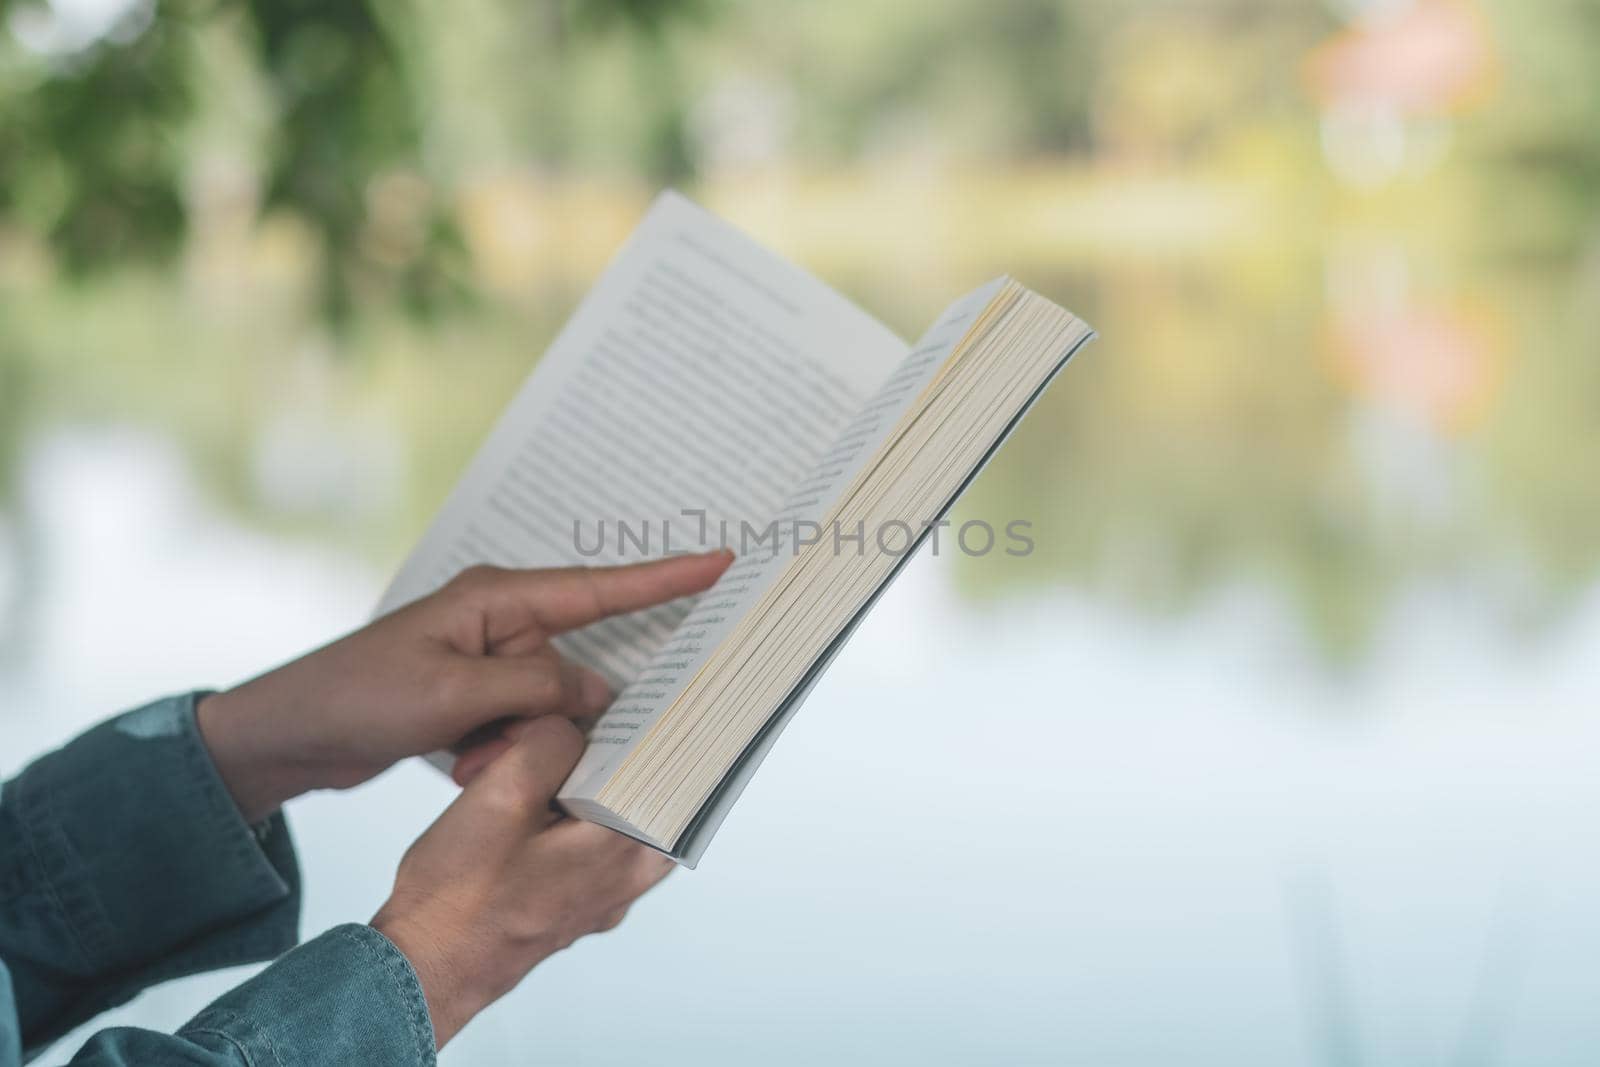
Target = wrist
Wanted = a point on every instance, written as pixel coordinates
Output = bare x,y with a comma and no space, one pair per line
462,968
447,988
240,742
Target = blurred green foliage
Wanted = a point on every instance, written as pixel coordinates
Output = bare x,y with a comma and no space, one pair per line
219,214
95,135
91,152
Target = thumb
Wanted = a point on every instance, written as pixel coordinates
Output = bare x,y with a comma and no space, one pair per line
526,777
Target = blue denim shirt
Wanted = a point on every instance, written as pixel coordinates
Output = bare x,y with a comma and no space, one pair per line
124,863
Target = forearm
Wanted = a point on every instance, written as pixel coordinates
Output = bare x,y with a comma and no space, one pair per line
345,999
124,862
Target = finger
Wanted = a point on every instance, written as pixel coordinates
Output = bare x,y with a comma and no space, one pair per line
528,775
529,686
584,694
651,869
581,836
482,747
636,867
473,760
612,848
567,598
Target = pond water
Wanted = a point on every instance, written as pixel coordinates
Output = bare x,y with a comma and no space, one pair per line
1278,749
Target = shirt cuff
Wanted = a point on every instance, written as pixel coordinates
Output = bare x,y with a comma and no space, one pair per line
346,997
143,856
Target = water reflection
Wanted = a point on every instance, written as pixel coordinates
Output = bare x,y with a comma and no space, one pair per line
1013,832
1337,425
1280,737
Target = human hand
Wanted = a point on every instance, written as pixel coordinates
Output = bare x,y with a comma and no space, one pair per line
428,675
501,881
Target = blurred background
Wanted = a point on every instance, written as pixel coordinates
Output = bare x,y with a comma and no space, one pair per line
1278,750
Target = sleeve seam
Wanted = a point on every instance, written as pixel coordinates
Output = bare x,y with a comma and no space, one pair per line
403,979
244,1053
216,1019
38,821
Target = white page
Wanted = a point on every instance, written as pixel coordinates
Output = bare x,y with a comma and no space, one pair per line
702,373
720,610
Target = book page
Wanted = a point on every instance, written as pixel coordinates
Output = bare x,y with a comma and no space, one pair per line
693,388
759,565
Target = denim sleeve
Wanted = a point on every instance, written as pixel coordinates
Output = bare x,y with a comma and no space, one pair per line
124,862
345,999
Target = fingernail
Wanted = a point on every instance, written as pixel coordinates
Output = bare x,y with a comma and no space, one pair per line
595,690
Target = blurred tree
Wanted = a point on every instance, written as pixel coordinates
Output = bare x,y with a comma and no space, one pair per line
89,152
1005,79
1545,127
93,147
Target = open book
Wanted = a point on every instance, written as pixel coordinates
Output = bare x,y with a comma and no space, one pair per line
705,393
